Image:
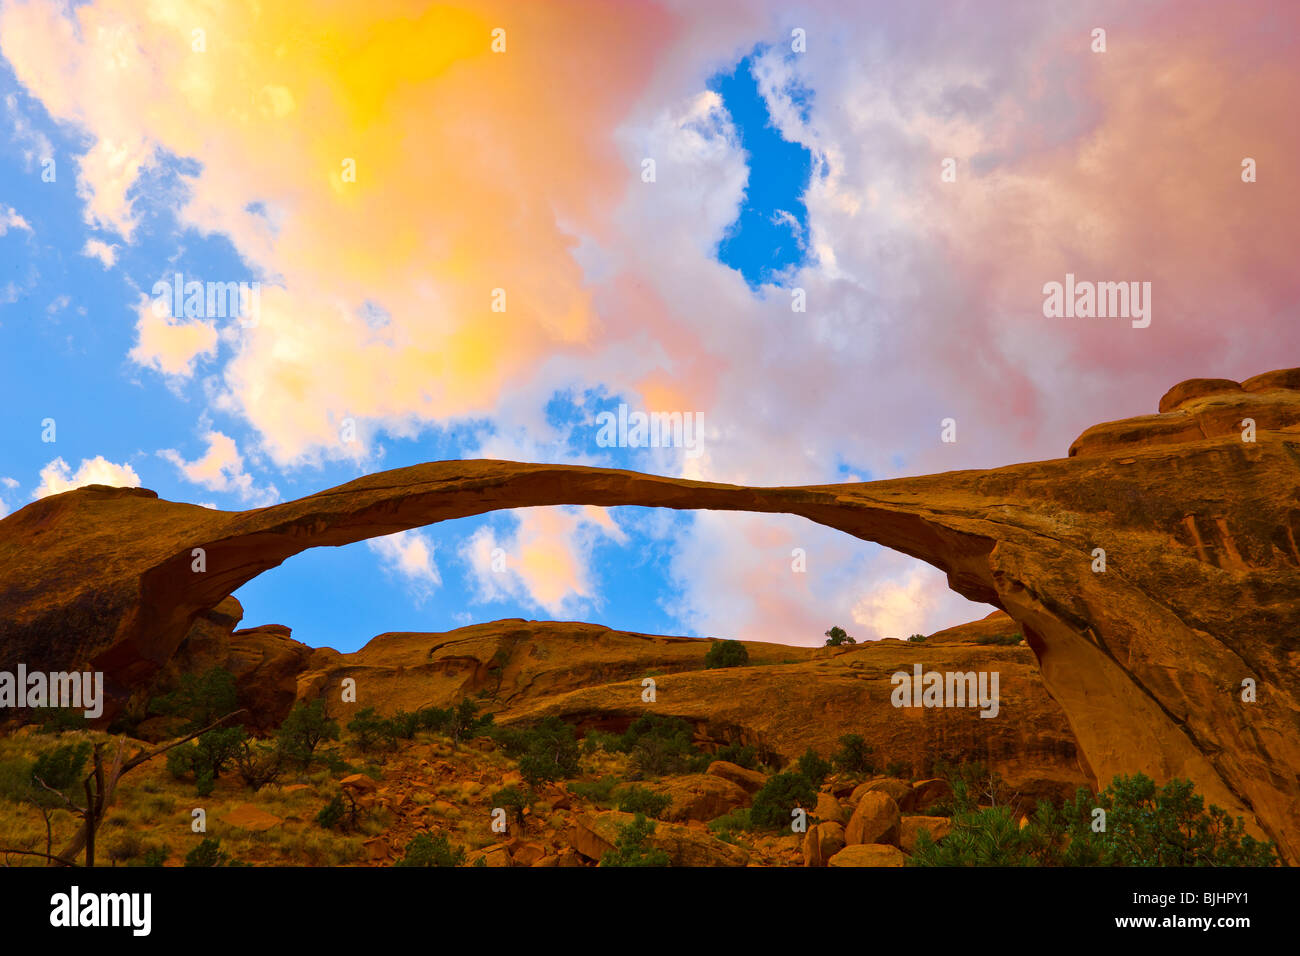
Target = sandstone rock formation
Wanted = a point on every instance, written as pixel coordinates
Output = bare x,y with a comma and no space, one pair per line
1200,593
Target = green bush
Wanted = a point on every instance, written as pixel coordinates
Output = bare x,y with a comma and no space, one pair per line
1145,825
332,814
917,639
427,850
546,752
201,699
304,730
728,825
897,768
515,801
1005,640
404,724
854,755
636,799
814,769
595,740
208,756
726,654
782,793
370,731
633,846
258,763
660,745
207,853
599,792
837,636
742,755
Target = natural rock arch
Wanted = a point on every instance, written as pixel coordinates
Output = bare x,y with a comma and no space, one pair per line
1201,588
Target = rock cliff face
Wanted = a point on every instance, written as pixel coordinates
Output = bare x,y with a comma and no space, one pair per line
1200,592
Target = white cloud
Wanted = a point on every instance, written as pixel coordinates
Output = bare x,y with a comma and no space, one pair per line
221,468
103,251
409,554
10,219
171,346
545,561
58,477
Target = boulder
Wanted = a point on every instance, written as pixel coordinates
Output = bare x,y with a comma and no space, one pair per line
869,854
700,796
821,843
751,781
248,817
929,793
875,819
829,809
899,790
911,827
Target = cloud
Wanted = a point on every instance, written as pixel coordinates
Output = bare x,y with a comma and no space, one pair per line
546,561
169,345
784,579
58,477
221,468
103,251
34,144
10,219
409,554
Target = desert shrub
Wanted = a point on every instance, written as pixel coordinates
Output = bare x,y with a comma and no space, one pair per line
404,724
1146,825
304,730
782,793
155,855
370,731
258,763
427,850
1005,640
728,825
546,751
599,792
332,814
207,853
515,802
726,654
60,720
661,745
635,799
595,740
854,755
917,639
897,768
742,755
433,718
633,846
814,768
837,636
200,699
464,721
206,757
126,846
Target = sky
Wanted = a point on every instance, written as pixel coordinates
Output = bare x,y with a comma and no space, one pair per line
467,230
